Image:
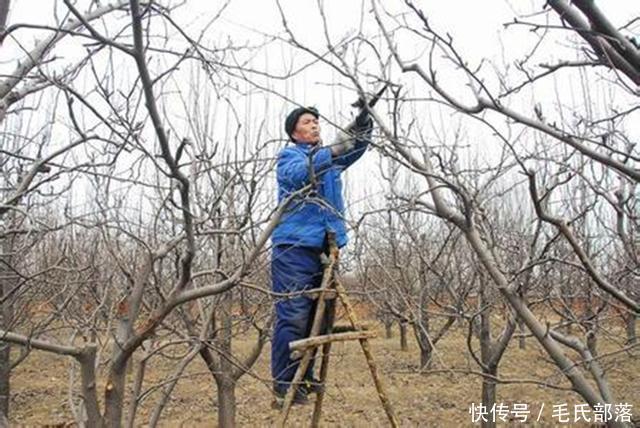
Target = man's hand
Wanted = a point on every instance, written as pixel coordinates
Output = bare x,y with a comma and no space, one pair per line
363,121
345,142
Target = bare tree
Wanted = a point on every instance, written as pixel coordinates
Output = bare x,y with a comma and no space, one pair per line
459,201
137,151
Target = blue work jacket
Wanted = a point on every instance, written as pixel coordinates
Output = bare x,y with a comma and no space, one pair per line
307,219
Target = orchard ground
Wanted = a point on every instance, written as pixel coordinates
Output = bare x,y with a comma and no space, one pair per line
441,396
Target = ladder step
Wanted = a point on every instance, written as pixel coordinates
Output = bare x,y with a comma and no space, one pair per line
298,347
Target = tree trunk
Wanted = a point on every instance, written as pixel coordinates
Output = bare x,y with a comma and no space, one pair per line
403,336
592,342
388,330
425,356
114,396
486,355
630,321
5,372
423,325
7,282
89,393
568,300
5,362
592,327
551,346
115,387
422,331
4,422
137,387
522,330
224,379
226,401
489,395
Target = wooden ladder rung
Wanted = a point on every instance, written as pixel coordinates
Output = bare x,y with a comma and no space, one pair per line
298,347
302,349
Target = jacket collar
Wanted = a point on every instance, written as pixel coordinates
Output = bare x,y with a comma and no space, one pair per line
306,147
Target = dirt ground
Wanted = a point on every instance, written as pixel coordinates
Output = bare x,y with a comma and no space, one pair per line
441,397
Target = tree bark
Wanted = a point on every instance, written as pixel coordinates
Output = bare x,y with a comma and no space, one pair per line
137,387
5,368
630,321
114,396
522,330
7,282
489,394
487,354
226,401
425,354
388,331
5,360
421,329
4,422
87,360
403,336
115,387
224,380
423,325
592,342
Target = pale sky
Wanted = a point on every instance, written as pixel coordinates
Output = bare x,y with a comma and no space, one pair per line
476,27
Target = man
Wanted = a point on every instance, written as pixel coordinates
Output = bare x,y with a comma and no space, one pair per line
300,238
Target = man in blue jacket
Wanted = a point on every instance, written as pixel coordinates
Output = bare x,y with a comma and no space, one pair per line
300,238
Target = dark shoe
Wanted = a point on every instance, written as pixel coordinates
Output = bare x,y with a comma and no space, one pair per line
299,398
312,386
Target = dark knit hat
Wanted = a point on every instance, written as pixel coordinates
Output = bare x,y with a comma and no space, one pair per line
292,118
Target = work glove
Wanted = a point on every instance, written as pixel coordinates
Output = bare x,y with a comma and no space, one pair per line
363,121
346,140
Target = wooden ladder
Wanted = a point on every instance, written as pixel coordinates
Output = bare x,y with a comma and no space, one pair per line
331,287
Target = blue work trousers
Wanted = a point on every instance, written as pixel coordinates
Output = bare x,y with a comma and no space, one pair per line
292,269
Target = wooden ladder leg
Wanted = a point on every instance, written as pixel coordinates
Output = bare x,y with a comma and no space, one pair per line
366,349
324,367
315,330
288,400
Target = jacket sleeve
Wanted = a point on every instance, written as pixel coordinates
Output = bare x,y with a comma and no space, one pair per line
293,166
363,139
